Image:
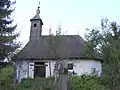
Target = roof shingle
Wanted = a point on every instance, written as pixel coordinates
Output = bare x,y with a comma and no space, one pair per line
52,47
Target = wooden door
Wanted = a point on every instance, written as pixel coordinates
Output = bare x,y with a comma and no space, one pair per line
40,69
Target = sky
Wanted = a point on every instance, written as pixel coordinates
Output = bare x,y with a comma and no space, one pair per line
74,16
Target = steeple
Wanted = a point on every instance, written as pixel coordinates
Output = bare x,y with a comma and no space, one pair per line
36,26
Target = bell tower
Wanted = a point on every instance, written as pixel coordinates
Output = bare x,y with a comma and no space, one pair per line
36,26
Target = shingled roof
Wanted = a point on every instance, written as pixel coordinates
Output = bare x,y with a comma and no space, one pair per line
52,47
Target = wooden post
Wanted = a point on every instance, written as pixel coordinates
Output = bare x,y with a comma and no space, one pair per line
28,71
50,68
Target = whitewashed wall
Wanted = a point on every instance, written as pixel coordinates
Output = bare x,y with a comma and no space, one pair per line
31,70
51,65
80,66
24,68
98,67
86,66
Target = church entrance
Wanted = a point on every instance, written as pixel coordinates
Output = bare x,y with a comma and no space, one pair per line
39,69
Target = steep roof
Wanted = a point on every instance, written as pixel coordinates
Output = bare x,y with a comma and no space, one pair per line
52,47
37,16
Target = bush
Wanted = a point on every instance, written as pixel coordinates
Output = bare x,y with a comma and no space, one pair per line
85,83
26,83
6,78
38,84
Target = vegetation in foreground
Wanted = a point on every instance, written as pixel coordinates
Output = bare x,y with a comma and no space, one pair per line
6,82
83,82
105,42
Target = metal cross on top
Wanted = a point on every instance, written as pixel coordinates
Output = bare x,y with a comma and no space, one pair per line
38,4
38,10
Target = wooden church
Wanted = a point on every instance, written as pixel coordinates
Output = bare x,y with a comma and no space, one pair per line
39,56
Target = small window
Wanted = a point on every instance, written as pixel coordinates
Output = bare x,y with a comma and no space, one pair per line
94,70
35,25
70,66
56,66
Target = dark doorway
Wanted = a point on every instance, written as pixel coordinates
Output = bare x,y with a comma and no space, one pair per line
39,69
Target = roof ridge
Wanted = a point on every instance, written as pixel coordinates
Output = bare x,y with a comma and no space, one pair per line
59,35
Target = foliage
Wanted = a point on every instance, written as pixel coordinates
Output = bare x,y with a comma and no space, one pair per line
26,84
85,82
105,41
38,84
7,29
6,73
6,78
111,69
92,40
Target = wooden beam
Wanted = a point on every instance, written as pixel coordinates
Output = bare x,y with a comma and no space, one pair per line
38,65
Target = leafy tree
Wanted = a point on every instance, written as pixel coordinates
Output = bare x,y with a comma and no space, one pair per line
8,35
92,41
105,41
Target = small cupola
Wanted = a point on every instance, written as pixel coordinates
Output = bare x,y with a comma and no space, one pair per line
36,26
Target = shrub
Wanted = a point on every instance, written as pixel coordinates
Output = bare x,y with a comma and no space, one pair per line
38,84
6,78
26,83
85,83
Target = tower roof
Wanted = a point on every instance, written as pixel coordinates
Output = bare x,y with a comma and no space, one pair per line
37,16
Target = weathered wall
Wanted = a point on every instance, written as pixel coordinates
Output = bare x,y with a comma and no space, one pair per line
26,68
35,32
51,65
22,68
86,66
31,69
80,66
